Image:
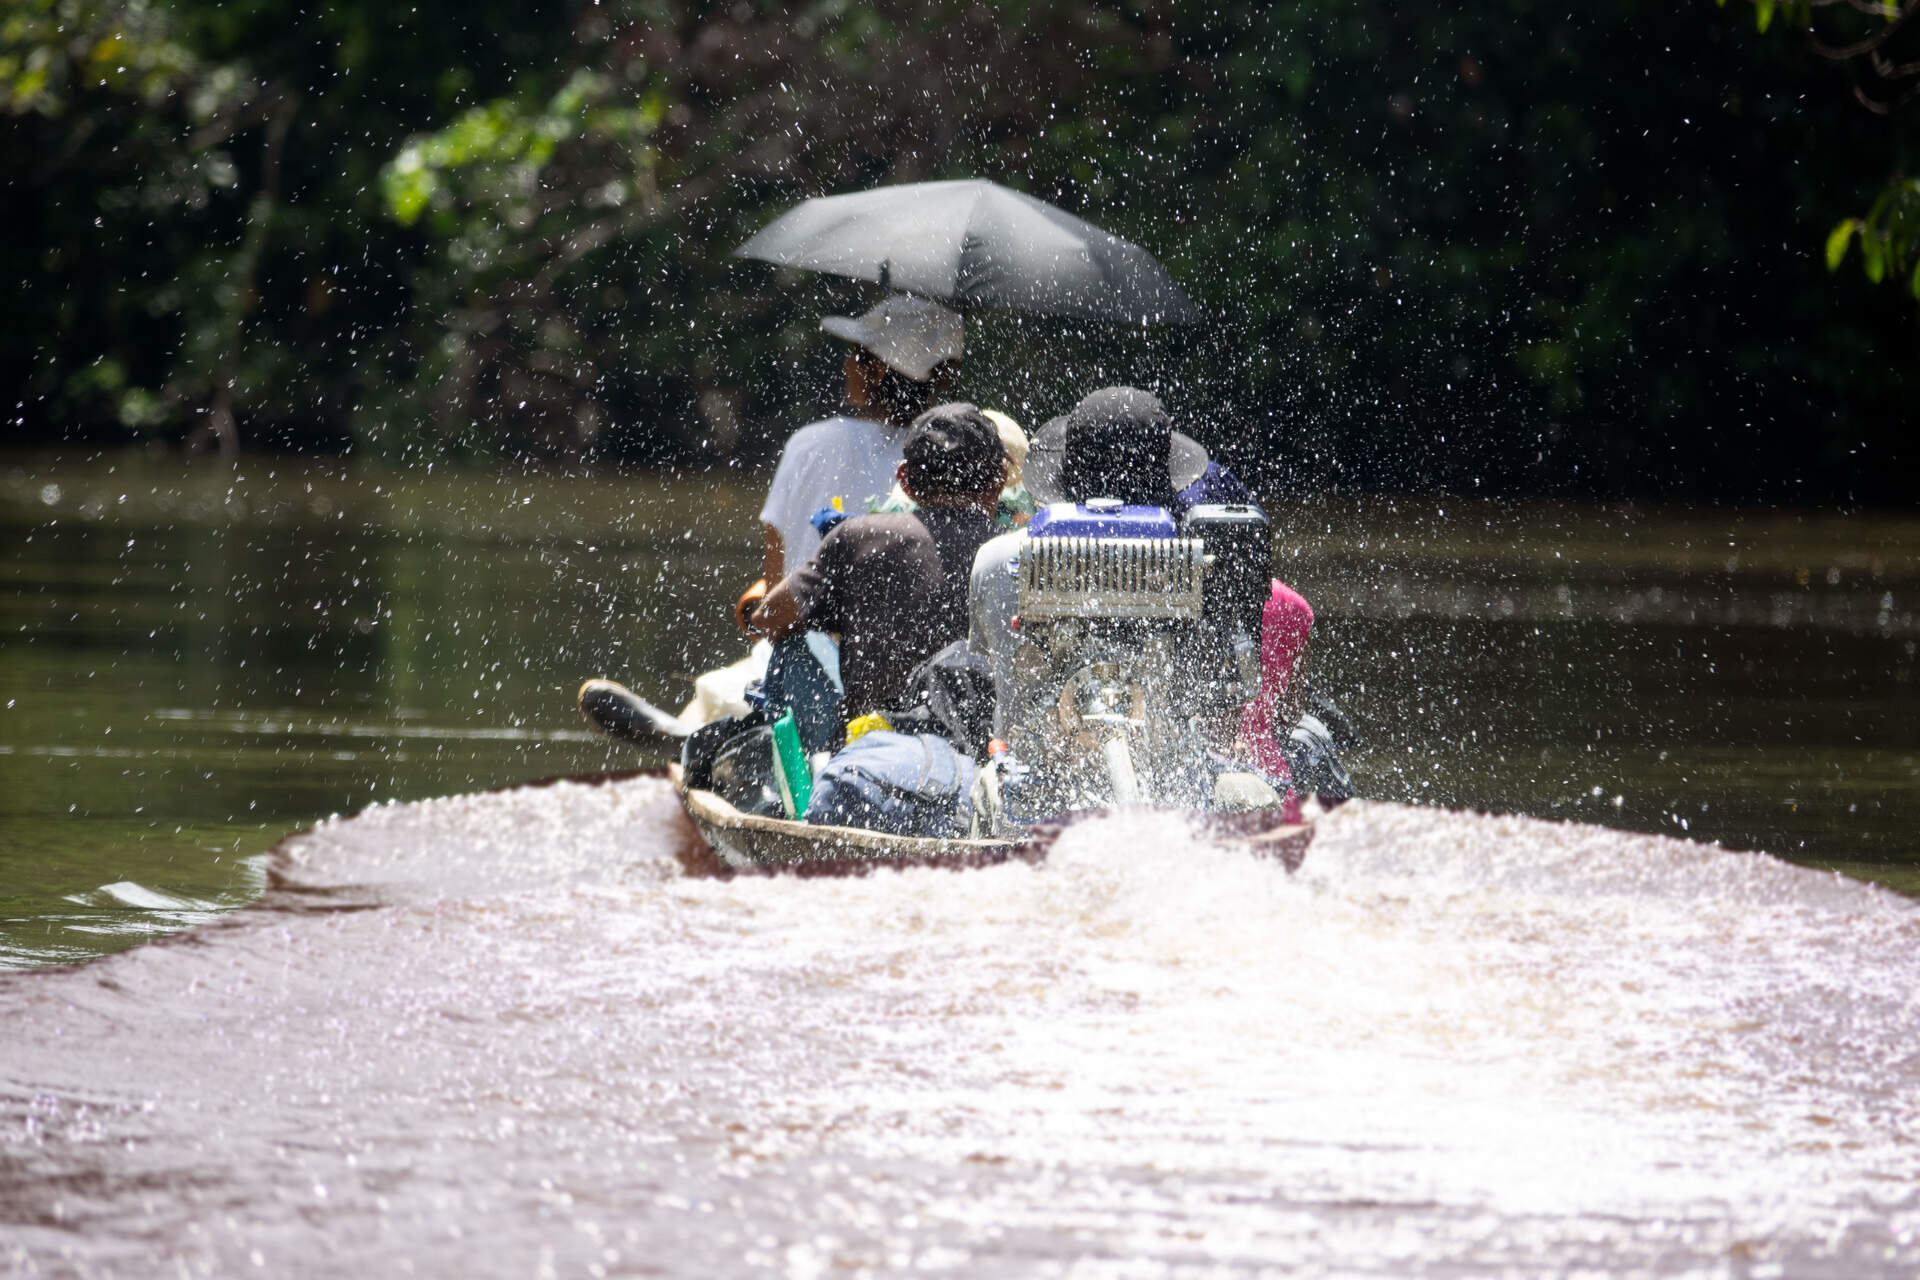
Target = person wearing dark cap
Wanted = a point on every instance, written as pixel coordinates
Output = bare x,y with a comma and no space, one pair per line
894,585
1118,442
905,353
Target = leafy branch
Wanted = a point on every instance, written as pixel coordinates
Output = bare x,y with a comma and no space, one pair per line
1884,82
1887,236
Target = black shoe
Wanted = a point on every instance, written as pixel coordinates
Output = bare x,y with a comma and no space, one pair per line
625,716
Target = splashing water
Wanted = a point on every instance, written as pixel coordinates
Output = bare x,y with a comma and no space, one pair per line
508,1033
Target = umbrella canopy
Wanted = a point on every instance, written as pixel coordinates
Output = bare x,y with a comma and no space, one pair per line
974,243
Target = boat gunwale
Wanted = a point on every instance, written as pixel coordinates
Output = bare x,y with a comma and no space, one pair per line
832,850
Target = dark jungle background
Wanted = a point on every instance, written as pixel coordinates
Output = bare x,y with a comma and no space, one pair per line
1643,249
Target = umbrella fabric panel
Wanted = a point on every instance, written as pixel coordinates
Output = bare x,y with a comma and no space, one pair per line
918,240
974,243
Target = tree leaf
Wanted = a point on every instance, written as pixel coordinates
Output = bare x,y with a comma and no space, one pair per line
1837,242
1875,257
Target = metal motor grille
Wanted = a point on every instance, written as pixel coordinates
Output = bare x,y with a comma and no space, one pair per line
1111,578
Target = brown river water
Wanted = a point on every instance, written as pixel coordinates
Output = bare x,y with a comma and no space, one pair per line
510,1032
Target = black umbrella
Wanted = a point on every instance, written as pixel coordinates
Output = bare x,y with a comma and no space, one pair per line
973,242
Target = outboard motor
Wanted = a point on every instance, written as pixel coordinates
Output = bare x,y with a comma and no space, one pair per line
1133,655
1239,542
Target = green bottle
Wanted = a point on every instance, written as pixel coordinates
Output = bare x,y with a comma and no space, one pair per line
790,766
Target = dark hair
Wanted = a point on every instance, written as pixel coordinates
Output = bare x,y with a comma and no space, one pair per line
902,398
1116,445
953,451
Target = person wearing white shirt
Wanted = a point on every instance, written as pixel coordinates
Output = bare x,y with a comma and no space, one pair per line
905,353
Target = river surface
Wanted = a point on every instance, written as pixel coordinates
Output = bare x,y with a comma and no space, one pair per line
513,1033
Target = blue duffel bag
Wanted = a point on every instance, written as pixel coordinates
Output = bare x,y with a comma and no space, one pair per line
906,784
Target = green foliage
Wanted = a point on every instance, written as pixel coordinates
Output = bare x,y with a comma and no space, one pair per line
1888,235
145,125
491,157
515,192
1505,247
58,55
194,180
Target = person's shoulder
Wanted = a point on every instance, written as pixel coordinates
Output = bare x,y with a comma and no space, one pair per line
1217,484
810,440
1290,601
998,551
883,531
882,524
832,430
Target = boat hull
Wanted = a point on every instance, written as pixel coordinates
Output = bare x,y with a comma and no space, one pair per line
745,842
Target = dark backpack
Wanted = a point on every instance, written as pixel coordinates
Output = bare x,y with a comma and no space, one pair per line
907,784
950,694
733,758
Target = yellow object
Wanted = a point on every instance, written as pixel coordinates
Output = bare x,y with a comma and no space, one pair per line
860,726
839,503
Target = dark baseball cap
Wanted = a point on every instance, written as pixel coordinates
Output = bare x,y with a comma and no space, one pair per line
953,450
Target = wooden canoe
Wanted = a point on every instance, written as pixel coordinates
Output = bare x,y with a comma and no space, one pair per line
746,842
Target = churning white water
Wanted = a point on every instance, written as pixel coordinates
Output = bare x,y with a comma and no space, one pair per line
510,1034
